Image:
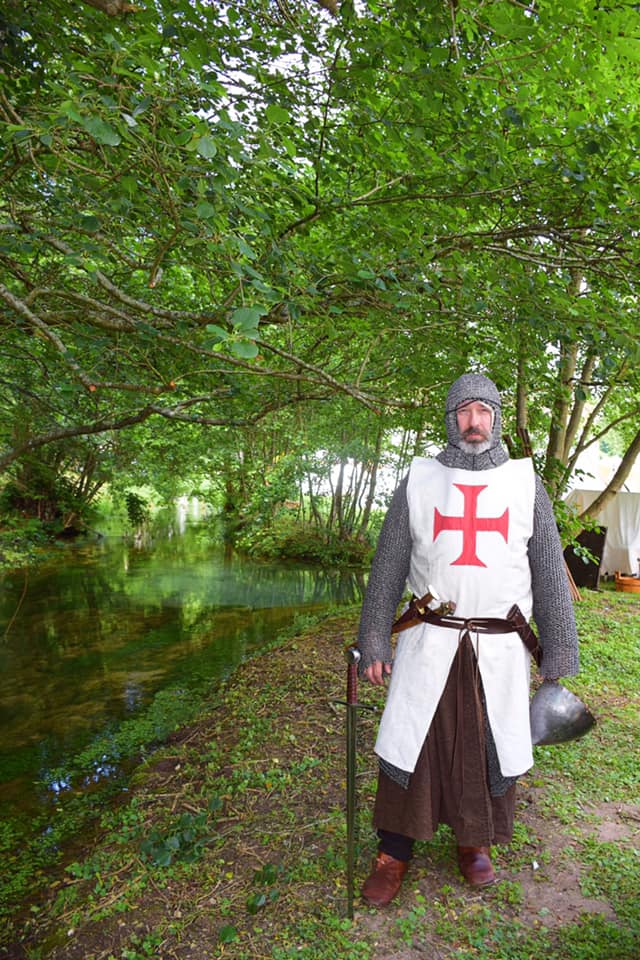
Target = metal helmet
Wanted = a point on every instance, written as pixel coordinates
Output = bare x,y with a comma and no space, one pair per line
558,715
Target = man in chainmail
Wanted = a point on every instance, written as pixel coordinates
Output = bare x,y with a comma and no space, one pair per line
477,529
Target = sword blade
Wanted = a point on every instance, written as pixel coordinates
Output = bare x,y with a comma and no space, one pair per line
353,657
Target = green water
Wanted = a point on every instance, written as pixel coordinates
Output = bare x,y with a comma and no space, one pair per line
87,639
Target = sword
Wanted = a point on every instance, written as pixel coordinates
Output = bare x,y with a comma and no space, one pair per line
353,658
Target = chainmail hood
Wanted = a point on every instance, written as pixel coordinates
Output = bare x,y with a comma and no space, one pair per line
469,387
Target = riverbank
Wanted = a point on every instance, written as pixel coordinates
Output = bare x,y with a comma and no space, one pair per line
231,840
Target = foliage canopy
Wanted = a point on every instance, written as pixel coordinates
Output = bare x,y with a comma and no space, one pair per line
220,214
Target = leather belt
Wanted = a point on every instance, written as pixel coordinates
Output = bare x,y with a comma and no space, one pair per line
514,622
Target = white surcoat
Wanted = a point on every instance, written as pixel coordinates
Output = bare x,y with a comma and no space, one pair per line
470,531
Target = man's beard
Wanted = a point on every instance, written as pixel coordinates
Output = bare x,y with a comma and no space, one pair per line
474,447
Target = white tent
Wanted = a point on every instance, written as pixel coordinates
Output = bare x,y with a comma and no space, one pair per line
621,517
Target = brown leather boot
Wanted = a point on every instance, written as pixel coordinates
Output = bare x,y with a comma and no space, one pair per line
475,865
384,881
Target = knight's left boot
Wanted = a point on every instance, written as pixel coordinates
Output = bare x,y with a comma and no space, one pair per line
384,881
475,865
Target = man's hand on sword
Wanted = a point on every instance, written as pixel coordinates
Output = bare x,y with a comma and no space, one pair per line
377,672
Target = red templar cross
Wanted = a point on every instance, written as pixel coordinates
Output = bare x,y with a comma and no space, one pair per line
471,525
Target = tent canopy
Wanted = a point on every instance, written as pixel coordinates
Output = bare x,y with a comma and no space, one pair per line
621,517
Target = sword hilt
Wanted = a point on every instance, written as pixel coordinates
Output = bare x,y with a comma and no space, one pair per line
353,656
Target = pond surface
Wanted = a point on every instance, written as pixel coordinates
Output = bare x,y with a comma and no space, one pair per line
88,639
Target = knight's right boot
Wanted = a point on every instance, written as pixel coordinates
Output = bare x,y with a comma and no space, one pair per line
384,881
475,865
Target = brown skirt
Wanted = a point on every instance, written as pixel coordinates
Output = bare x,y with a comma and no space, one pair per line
450,783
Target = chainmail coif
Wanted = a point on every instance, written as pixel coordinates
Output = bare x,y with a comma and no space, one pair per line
552,604
468,387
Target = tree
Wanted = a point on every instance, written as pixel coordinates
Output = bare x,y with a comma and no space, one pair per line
212,214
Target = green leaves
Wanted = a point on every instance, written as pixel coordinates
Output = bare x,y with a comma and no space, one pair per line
369,206
101,131
184,841
247,319
206,147
266,876
89,222
96,126
228,934
245,349
276,114
205,210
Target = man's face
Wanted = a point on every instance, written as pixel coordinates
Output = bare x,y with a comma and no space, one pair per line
475,420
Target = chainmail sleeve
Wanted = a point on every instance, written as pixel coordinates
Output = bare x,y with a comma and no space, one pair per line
552,605
387,580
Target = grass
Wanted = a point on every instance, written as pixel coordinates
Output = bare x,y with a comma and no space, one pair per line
231,840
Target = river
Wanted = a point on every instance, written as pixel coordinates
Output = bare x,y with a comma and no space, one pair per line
90,636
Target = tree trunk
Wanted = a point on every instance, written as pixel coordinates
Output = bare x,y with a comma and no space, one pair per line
337,505
560,418
355,495
575,418
371,491
313,504
522,413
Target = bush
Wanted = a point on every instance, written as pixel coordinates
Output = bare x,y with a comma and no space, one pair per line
137,508
288,539
20,540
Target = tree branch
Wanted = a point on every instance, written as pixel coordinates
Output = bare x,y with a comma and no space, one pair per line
98,426
44,331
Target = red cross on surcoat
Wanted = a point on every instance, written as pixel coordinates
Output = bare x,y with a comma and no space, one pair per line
471,525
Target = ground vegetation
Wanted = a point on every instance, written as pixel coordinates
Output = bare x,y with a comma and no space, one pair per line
230,842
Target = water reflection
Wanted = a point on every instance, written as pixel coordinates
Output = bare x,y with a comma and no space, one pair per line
95,634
